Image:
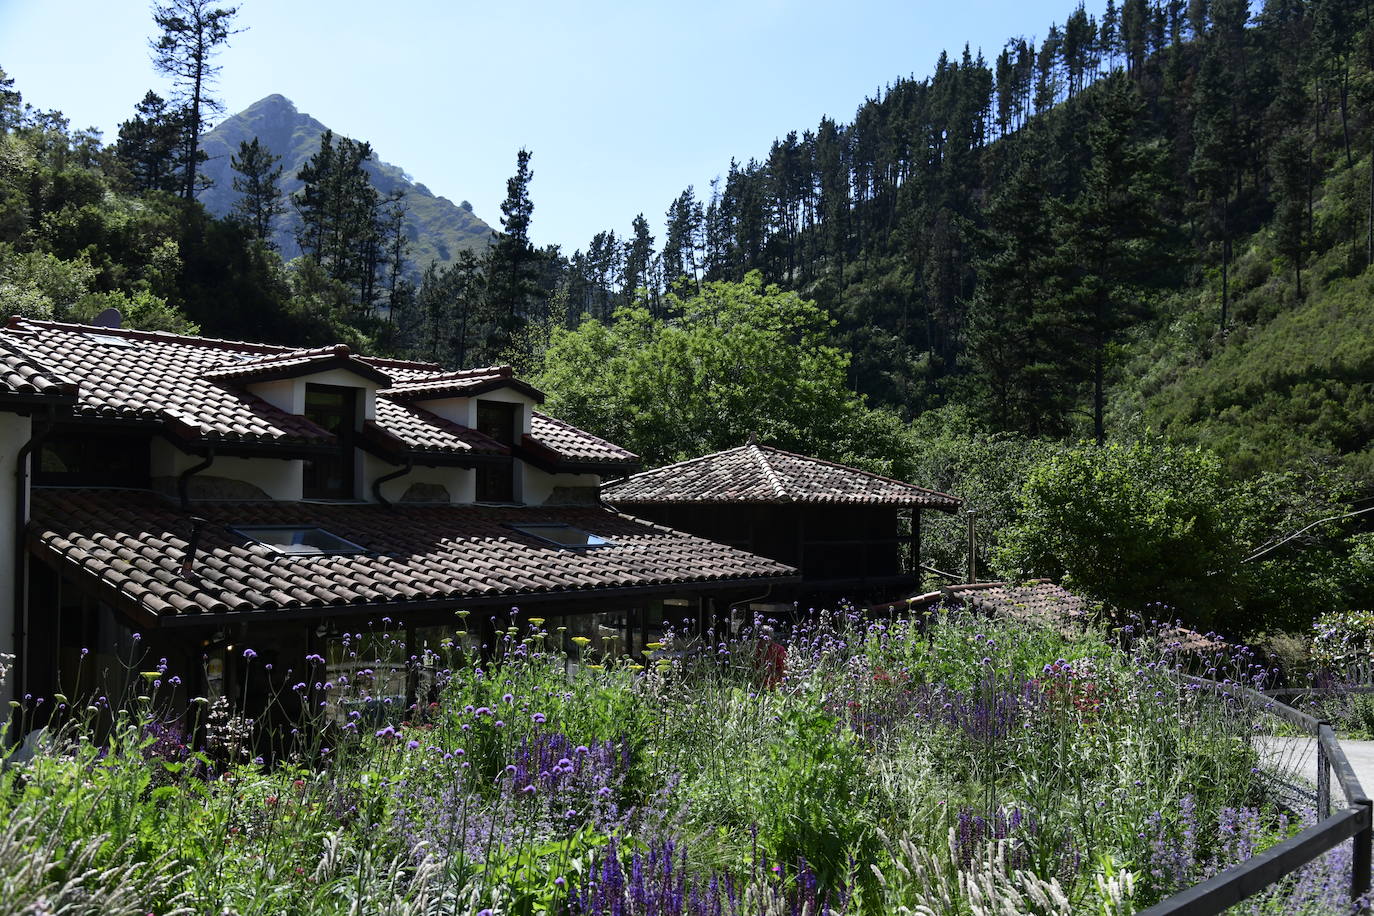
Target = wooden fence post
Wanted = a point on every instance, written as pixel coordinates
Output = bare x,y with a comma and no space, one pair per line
1359,866
1323,774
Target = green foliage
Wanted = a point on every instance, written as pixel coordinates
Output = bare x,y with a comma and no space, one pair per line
1134,525
739,360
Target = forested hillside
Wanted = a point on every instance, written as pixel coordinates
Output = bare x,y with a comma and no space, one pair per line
1157,216
1151,230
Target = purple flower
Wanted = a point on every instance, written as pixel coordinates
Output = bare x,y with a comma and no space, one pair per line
538,718
249,654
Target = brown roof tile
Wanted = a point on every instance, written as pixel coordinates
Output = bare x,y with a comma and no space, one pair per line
761,474
463,383
133,544
408,428
295,362
21,375
573,445
191,385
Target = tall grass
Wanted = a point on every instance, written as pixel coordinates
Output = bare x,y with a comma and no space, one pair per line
944,765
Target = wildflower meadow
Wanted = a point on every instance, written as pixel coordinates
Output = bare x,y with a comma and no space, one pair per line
948,764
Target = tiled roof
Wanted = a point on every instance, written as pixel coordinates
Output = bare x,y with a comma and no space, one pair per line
575,445
463,383
403,427
22,376
296,362
761,474
132,544
192,387
157,378
1039,601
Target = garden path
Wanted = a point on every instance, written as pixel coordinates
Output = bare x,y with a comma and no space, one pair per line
1298,756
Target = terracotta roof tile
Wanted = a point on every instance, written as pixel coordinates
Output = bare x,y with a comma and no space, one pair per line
419,431
463,383
761,474
574,445
22,375
191,384
133,543
296,362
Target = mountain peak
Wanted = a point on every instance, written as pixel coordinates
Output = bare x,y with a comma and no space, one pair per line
438,229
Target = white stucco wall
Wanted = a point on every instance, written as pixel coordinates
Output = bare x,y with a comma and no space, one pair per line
456,410
289,394
278,478
536,485
461,483
14,432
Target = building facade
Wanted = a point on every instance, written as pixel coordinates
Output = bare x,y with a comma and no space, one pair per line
188,498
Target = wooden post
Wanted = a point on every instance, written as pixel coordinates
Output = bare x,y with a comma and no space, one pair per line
1359,868
972,547
1323,775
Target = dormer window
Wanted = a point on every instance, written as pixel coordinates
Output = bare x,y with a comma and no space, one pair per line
498,420
334,408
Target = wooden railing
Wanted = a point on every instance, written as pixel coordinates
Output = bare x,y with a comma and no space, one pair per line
1230,887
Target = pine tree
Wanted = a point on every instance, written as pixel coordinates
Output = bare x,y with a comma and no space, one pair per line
1290,165
339,209
258,186
512,268
639,257
150,145
191,33
1114,247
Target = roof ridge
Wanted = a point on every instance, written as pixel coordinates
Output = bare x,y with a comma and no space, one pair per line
297,353
454,375
17,321
769,473
677,464
853,470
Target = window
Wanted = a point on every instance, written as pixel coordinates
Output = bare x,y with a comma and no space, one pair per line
497,419
564,536
298,541
93,458
496,481
334,409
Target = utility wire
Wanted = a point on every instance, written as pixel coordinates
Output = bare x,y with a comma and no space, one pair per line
1275,546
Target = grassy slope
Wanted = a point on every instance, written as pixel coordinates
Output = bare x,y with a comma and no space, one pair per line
1293,380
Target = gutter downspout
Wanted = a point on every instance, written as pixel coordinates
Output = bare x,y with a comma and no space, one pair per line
184,479
377,484
21,569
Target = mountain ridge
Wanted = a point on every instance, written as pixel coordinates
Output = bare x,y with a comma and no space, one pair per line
437,227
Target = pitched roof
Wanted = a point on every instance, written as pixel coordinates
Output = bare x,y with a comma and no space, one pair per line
762,474
404,428
130,547
463,383
571,444
22,377
294,363
193,388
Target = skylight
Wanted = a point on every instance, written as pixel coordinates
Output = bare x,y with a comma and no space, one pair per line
111,340
301,541
564,536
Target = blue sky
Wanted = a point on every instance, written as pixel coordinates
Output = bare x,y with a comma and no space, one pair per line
622,104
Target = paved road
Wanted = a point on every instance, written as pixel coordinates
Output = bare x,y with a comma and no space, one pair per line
1298,758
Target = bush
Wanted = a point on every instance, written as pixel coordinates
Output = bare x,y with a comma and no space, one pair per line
1133,525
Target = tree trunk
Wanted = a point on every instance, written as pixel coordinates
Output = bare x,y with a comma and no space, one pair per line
1099,431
